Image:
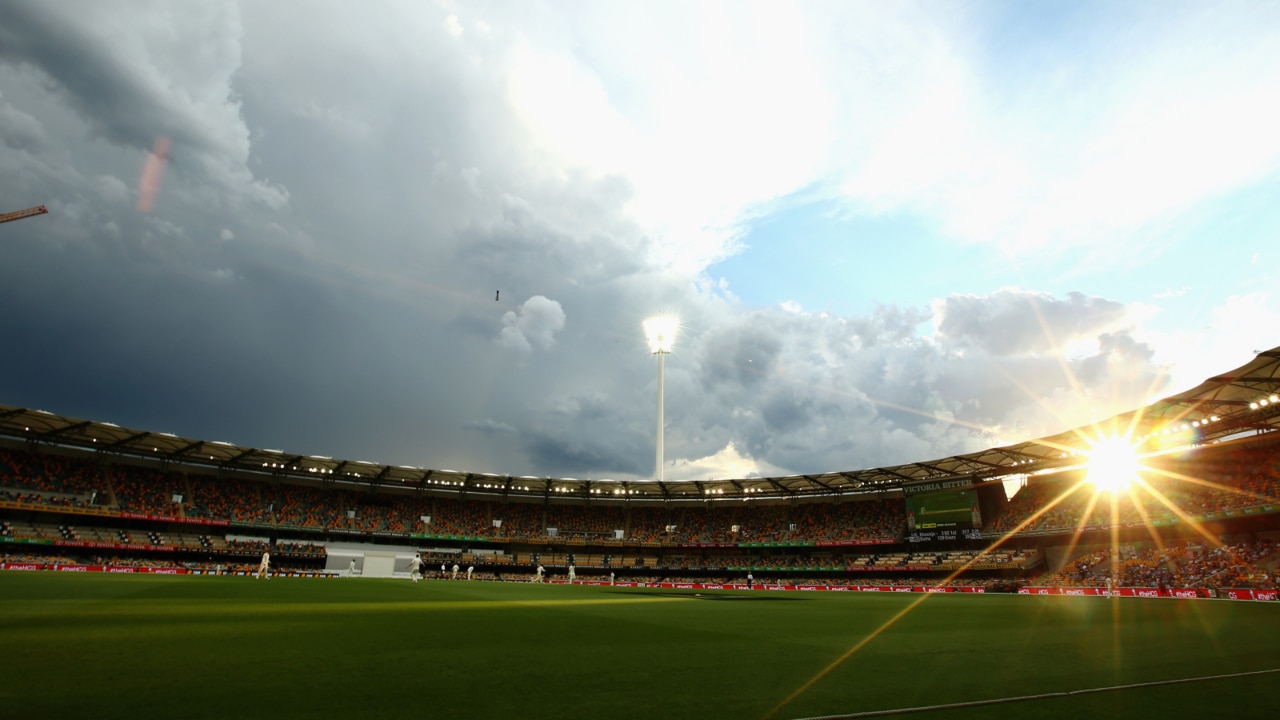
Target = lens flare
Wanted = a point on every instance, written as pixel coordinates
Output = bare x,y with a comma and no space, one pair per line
1113,464
152,174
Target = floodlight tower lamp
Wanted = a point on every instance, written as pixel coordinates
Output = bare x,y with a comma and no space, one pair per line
661,334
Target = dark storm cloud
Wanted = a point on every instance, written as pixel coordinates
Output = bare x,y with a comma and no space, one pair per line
19,130
591,437
384,188
524,244
131,79
141,345
490,427
97,81
744,355
785,412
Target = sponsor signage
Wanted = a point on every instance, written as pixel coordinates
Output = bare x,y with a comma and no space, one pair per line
173,519
937,486
26,541
798,543
121,569
1141,592
1232,594
113,546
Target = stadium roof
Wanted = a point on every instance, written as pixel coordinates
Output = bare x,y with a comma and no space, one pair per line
1236,403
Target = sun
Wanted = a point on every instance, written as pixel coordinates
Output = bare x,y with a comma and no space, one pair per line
1113,464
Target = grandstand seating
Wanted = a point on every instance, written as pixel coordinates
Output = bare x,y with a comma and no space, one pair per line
87,508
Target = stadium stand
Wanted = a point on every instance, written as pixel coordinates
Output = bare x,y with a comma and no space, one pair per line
1207,519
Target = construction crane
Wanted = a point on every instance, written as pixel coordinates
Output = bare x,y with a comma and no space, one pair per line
20,214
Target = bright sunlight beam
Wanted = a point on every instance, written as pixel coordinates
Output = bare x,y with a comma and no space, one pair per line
1113,464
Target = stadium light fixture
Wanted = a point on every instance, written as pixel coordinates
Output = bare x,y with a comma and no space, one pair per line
661,334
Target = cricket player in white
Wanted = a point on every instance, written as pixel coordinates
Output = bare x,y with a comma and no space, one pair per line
351,568
572,575
470,569
415,568
538,576
263,566
455,572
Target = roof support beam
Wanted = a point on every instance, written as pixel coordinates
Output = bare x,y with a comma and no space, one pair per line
127,440
814,479
237,458
781,488
186,449
64,430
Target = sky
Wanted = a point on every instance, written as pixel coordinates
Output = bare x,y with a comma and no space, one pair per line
427,233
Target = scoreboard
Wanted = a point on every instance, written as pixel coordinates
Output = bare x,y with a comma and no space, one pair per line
920,536
942,510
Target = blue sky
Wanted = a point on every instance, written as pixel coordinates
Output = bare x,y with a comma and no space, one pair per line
892,231
852,263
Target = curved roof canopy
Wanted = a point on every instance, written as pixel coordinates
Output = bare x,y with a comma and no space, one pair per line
1236,403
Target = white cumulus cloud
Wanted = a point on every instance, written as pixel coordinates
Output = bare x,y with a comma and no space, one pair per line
533,325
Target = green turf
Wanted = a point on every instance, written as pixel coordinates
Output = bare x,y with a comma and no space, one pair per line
134,646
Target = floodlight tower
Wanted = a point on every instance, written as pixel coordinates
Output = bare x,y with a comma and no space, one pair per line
661,332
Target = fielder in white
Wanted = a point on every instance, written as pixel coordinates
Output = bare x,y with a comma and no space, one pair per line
538,575
470,569
572,575
415,568
455,572
264,566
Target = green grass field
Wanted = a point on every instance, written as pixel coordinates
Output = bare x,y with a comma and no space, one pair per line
137,646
